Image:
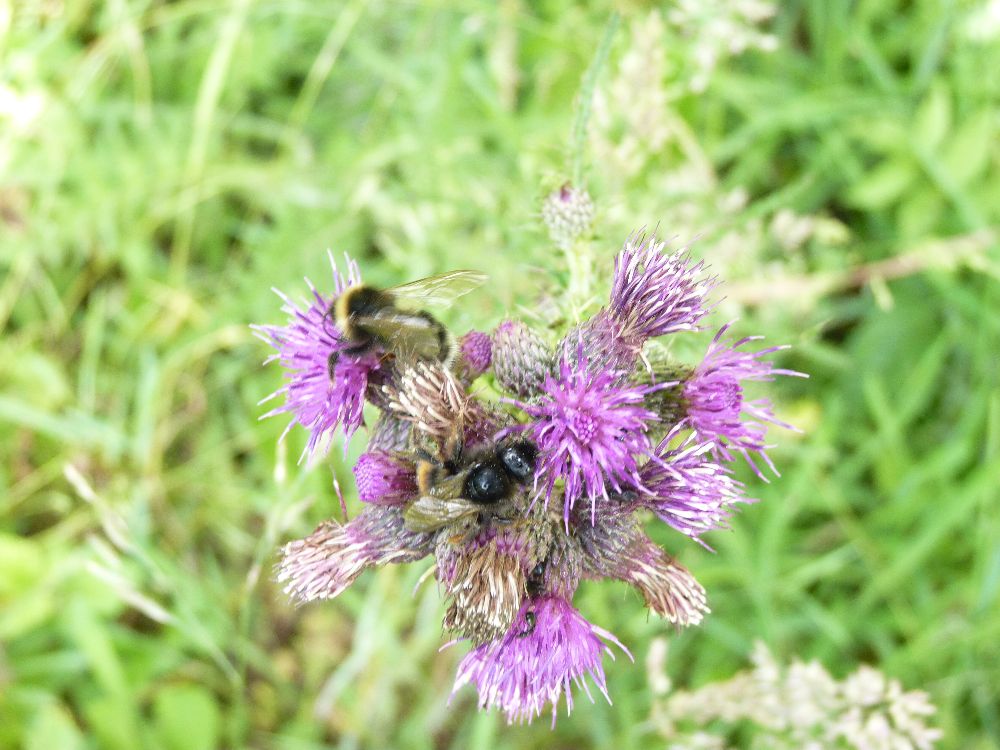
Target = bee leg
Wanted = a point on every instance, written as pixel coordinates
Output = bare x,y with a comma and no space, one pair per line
454,444
351,351
356,350
529,619
424,455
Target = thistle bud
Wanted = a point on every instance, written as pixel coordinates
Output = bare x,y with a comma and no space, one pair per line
476,350
521,359
568,213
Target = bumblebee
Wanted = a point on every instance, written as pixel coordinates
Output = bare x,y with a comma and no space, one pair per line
369,317
467,496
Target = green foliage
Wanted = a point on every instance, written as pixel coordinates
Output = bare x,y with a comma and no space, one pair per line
164,164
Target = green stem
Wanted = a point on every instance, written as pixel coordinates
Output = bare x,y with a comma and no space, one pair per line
586,97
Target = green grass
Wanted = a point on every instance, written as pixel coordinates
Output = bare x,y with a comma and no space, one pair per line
187,156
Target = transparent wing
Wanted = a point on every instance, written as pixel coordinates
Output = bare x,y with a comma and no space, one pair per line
439,290
405,334
431,513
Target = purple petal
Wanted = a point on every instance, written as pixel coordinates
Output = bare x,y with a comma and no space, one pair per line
686,488
589,427
716,408
655,293
532,666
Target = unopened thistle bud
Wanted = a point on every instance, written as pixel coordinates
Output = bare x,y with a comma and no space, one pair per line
521,359
568,213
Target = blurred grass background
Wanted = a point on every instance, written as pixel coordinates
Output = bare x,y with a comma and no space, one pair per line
164,164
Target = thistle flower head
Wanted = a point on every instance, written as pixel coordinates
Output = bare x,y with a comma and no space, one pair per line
667,586
433,400
716,408
567,213
614,546
319,397
509,566
686,488
485,584
604,342
390,433
477,353
327,561
655,293
549,646
384,479
521,359
589,427
486,577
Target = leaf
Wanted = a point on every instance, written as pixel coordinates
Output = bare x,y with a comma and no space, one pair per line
883,185
187,718
53,727
969,153
920,212
932,119
22,565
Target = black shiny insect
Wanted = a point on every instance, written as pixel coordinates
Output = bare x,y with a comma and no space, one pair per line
536,580
529,619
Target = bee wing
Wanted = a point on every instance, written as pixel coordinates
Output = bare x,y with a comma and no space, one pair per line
439,290
408,334
430,513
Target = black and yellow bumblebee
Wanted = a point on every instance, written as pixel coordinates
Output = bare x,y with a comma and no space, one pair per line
483,488
369,317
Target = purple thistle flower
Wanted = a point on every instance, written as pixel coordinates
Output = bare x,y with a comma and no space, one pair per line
715,404
686,488
326,562
589,428
535,662
653,293
383,479
305,347
603,342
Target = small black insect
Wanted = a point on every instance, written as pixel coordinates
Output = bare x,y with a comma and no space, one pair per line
536,580
529,619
